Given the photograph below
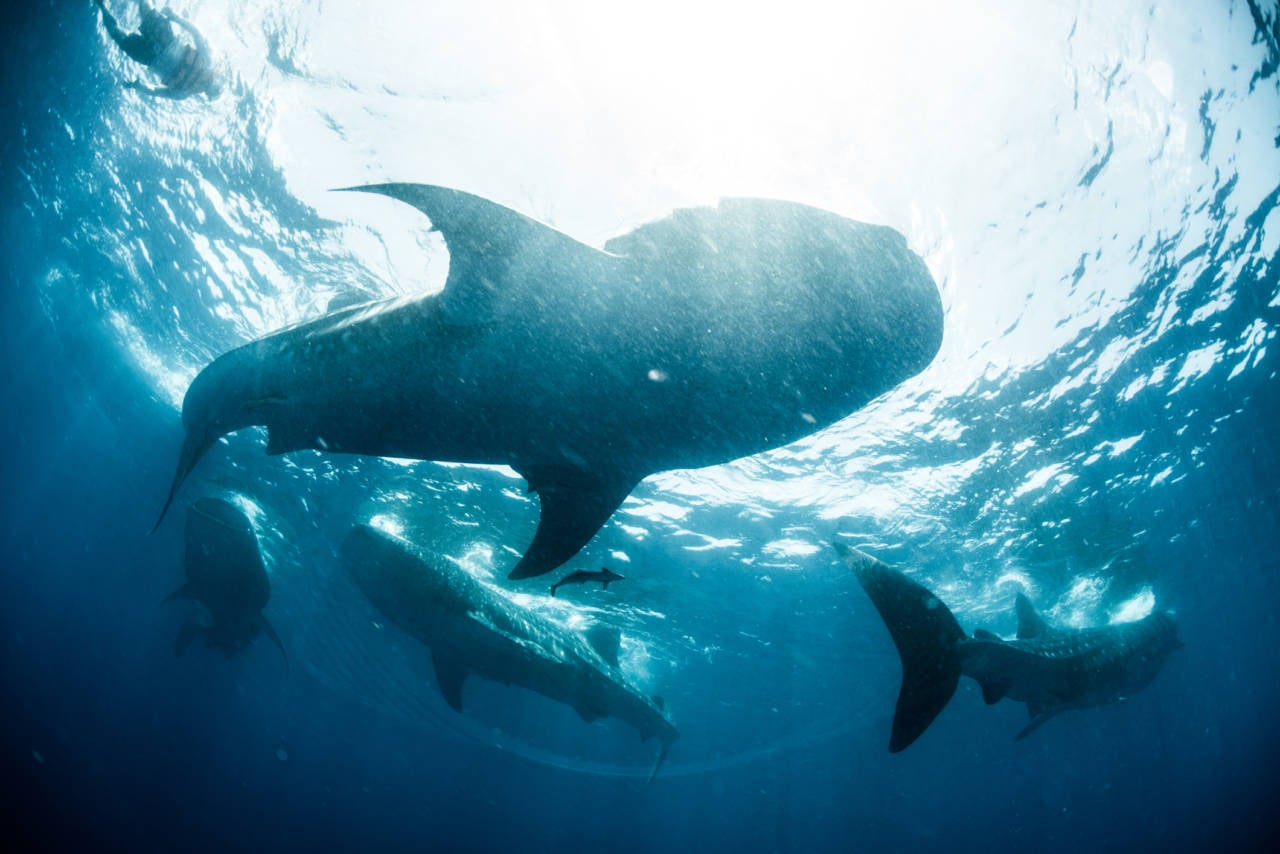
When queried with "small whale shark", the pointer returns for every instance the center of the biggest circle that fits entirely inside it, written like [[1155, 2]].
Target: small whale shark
[[1050, 669], [584, 576], [710, 335], [472, 628], [225, 574]]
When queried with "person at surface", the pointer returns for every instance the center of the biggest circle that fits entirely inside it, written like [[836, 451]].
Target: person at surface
[[184, 69]]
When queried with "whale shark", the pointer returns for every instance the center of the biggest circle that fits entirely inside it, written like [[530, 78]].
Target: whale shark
[[1051, 669], [585, 576], [225, 574], [472, 628], [713, 334]]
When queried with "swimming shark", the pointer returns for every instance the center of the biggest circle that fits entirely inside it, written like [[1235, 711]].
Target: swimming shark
[[472, 628], [1050, 669], [584, 576], [225, 574], [710, 335]]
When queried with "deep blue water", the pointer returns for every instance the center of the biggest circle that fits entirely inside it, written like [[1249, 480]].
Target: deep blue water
[[1095, 191]]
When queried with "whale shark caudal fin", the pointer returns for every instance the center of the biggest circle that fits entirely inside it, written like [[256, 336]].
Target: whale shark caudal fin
[[193, 448], [927, 637], [450, 674], [575, 504], [657, 763]]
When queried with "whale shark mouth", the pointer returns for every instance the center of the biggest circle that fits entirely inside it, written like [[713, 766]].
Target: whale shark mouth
[[193, 448]]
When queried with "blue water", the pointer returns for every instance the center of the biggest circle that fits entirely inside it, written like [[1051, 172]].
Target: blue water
[[1095, 189]]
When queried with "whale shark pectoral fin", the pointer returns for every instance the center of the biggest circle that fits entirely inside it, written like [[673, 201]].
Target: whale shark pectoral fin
[[575, 504], [993, 691], [1038, 717], [482, 237], [450, 674]]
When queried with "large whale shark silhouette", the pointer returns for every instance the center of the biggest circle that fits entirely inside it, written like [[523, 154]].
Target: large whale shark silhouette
[[470, 628], [707, 336]]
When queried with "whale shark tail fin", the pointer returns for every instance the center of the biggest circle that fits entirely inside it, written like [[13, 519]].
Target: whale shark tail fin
[[927, 637], [193, 448], [657, 763]]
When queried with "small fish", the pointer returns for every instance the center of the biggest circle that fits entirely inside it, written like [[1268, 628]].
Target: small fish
[[583, 576]]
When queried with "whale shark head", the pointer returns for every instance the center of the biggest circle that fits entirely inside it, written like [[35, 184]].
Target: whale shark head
[[226, 396]]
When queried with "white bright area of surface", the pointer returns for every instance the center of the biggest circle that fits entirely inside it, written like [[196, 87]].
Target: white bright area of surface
[[950, 122]]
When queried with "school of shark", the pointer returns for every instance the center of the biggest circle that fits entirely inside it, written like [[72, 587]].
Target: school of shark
[[711, 335]]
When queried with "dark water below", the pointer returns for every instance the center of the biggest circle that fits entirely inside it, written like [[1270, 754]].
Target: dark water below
[[1099, 431]]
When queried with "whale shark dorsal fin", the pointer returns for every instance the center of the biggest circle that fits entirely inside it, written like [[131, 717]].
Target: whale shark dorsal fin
[[1030, 623], [482, 237], [575, 504], [605, 640], [450, 674]]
